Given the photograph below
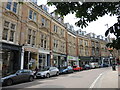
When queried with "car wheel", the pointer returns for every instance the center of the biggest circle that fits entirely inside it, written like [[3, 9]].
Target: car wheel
[[9, 82], [31, 78], [47, 75], [57, 73]]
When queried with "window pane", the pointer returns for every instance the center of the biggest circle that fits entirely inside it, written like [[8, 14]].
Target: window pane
[[15, 7], [12, 36], [44, 43], [30, 14], [29, 31], [9, 5], [35, 17], [34, 33], [29, 39], [5, 34], [54, 28], [43, 21], [33, 41], [41, 42], [6, 24], [13, 26]]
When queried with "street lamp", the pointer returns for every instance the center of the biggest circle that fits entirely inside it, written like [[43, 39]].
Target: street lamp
[[112, 58]]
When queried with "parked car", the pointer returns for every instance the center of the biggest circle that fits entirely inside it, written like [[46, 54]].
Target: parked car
[[47, 72], [97, 65], [86, 67], [19, 76], [92, 65], [66, 69], [104, 65], [77, 68]]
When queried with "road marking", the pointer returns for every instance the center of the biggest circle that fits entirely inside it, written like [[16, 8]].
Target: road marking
[[93, 84]]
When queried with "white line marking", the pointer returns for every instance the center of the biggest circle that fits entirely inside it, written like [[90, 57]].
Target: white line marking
[[93, 84]]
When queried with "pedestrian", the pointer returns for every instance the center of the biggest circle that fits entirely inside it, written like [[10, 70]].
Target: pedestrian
[[113, 66], [36, 70]]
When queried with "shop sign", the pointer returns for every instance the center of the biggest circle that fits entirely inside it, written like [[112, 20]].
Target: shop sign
[[79, 59], [69, 57], [72, 58]]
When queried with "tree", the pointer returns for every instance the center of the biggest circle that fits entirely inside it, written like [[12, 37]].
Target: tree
[[90, 11], [115, 29]]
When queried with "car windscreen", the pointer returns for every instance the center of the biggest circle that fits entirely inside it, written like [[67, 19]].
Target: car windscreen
[[74, 66], [45, 69], [62, 68]]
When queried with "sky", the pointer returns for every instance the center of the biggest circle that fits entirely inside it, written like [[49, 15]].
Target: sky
[[98, 27]]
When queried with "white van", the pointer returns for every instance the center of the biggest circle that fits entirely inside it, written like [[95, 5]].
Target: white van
[[92, 65]]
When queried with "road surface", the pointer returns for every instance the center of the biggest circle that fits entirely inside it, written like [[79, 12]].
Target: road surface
[[94, 78]]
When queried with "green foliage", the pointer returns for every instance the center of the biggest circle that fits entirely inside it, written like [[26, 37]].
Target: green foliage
[[115, 29], [87, 11]]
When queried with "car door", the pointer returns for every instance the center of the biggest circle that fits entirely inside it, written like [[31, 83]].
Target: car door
[[51, 71], [25, 75], [18, 76], [54, 70]]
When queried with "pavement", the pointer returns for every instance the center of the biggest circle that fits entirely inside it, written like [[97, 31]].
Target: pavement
[[109, 79]]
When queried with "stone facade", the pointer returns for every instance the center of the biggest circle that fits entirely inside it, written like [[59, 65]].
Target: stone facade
[[44, 40]]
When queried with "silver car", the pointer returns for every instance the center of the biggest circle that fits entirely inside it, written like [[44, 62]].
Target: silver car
[[47, 72]]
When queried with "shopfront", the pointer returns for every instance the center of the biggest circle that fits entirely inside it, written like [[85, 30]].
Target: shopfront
[[11, 56], [85, 60], [30, 58], [59, 60], [72, 60], [44, 58], [106, 60]]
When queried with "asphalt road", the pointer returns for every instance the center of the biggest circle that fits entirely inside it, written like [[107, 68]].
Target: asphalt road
[[82, 79]]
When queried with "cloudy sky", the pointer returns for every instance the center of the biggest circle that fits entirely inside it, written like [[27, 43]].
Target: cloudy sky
[[98, 27]]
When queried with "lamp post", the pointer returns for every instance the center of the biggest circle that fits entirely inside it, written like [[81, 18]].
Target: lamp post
[[112, 59]]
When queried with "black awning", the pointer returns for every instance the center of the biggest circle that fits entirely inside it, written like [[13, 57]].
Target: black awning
[[10, 46]]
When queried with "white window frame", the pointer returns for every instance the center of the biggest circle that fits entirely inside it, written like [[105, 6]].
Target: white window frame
[[12, 6]]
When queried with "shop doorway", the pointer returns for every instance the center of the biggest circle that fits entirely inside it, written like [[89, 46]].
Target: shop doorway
[[30, 60], [10, 61]]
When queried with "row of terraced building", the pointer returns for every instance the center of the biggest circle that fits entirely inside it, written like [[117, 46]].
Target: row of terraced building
[[30, 37]]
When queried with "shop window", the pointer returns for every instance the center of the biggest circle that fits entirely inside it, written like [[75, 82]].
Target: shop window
[[42, 60], [55, 61]]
